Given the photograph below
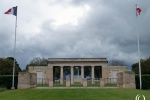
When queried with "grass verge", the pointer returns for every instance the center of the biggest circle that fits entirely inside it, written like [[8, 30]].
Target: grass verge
[[73, 94], [2, 89]]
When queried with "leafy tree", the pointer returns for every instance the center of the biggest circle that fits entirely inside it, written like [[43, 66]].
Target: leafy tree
[[6, 66], [37, 62], [145, 66], [17, 68]]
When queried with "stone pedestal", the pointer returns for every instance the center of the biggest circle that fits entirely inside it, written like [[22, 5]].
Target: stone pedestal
[[102, 82], [50, 82], [126, 79], [67, 82], [84, 82], [61, 81], [26, 80]]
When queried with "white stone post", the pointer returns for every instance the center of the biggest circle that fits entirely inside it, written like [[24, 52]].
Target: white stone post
[[93, 75], [82, 74], [72, 74], [61, 75]]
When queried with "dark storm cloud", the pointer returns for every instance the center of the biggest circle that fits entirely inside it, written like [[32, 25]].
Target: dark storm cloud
[[107, 30]]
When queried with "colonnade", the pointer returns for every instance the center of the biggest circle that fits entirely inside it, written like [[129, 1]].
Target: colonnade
[[72, 74]]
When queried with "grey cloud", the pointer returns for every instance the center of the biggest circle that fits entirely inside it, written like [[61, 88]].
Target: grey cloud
[[108, 30]]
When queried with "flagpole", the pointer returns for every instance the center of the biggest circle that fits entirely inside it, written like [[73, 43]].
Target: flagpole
[[13, 80], [138, 50]]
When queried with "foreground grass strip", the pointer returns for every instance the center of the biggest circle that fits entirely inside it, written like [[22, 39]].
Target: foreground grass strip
[[73, 94], [2, 89]]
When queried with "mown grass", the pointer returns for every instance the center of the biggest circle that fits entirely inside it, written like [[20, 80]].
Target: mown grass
[[2, 89], [73, 94]]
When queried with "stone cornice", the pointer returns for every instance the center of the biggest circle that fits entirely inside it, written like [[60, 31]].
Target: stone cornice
[[52, 60], [61, 62]]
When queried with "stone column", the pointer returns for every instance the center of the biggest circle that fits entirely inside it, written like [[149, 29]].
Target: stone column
[[93, 74], [82, 74], [61, 75], [72, 74]]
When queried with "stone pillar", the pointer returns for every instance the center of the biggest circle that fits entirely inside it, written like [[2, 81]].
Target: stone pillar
[[49, 73], [72, 74], [120, 80], [23, 80], [50, 82], [102, 82], [93, 75], [27, 80], [82, 74], [126, 79], [67, 82], [33, 80], [61, 75], [84, 82], [104, 71]]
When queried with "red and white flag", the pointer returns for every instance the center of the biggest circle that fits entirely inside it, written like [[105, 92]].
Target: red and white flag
[[138, 10]]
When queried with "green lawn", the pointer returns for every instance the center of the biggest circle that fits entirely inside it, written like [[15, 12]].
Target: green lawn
[[2, 89], [73, 94]]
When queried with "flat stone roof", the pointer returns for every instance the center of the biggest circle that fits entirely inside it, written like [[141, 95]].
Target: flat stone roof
[[77, 59]]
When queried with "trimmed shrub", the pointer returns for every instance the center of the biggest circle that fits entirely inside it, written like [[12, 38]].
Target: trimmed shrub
[[6, 81], [145, 82]]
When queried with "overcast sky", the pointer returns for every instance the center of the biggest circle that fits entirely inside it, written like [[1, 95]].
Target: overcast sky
[[75, 28]]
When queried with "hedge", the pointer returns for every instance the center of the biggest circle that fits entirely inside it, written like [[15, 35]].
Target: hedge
[[6, 81], [145, 82]]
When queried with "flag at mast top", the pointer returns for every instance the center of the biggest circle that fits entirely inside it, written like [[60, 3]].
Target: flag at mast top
[[12, 11], [138, 10]]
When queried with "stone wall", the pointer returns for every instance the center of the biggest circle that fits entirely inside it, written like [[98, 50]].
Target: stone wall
[[126, 79], [116, 68], [26, 80], [33, 80]]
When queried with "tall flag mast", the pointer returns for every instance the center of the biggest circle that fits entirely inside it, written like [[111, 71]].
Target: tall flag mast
[[138, 11], [13, 11]]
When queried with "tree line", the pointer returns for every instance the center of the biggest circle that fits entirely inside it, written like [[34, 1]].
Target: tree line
[[6, 65]]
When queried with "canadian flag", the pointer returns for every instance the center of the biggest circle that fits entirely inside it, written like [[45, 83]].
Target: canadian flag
[[138, 10]]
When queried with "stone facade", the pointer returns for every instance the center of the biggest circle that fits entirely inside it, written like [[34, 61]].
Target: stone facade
[[126, 79], [47, 72], [26, 80], [118, 69]]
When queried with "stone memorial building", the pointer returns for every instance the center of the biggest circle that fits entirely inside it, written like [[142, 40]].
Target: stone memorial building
[[48, 72]]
